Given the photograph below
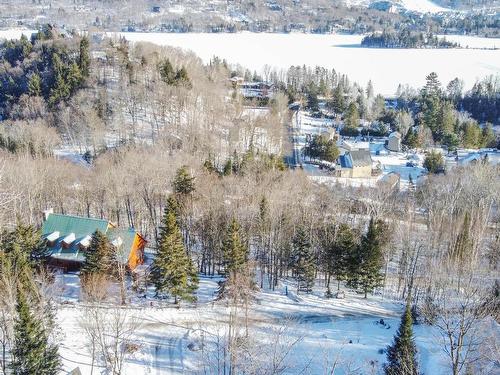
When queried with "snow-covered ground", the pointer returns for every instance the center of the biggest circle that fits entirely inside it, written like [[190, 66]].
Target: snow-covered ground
[[467, 41], [15, 33], [385, 67], [388, 162], [326, 329], [421, 6]]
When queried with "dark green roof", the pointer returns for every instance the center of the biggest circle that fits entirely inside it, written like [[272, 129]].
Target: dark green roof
[[82, 227], [66, 224]]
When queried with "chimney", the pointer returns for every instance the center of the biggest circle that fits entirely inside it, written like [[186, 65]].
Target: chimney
[[47, 213]]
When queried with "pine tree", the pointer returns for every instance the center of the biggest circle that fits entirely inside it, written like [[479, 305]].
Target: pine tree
[[303, 261], [338, 100], [233, 249], [29, 241], [32, 353], [84, 57], [183, 182], [182, 78], [352, 116], [432, 85], [74, 77], [366, 264], [167, 72], [446, 120], [402, 354], [173, 271], [60, 90], [172, 206], [434, 162], [99, 256], [35, 85], [341, 251]]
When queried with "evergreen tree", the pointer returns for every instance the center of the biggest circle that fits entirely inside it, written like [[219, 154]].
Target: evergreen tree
[[84, 57], [432, 85], [183, 182], [182, 79], [32, 353], [488, 138], [338, 100], [434, 162], [430, 103], [35, 85], [173, 271], [342, 250], [74, 78], [99, 256], [26, 46], [312, 101], [173, 206], [411, 139], [472, 135], [402, 354], [60, 90], [352, 116], [446, 121], [366, 264], [303, 261], [234, 250], [28, 240], [167, 72]]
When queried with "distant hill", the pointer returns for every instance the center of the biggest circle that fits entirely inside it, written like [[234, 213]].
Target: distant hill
[[425, 6], [468, 4]]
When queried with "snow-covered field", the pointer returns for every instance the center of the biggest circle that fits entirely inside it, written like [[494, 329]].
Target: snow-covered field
[[385, 67], [347, 330], [422, 6], [15, 33]]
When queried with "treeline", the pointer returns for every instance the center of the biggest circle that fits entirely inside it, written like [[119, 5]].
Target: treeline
[[27, 311], [483, 100], [38, 73], [406, 39], [441, 115]]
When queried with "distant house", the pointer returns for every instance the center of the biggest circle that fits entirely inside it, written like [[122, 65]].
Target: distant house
[[237, 81], [356, 164], [394, 142], [68, 238], [384, 6], [155, 9], [253, 90], [348, 146]]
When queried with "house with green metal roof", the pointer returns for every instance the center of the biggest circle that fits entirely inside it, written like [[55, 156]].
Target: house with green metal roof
[[68, 237]]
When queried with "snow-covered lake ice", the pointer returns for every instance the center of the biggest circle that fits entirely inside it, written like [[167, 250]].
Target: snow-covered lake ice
[[385, 67]]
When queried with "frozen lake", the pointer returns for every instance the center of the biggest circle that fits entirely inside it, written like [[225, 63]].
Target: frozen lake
[[385, 67]]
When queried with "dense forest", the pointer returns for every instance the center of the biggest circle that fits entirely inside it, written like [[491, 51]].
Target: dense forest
[[405, 39]]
